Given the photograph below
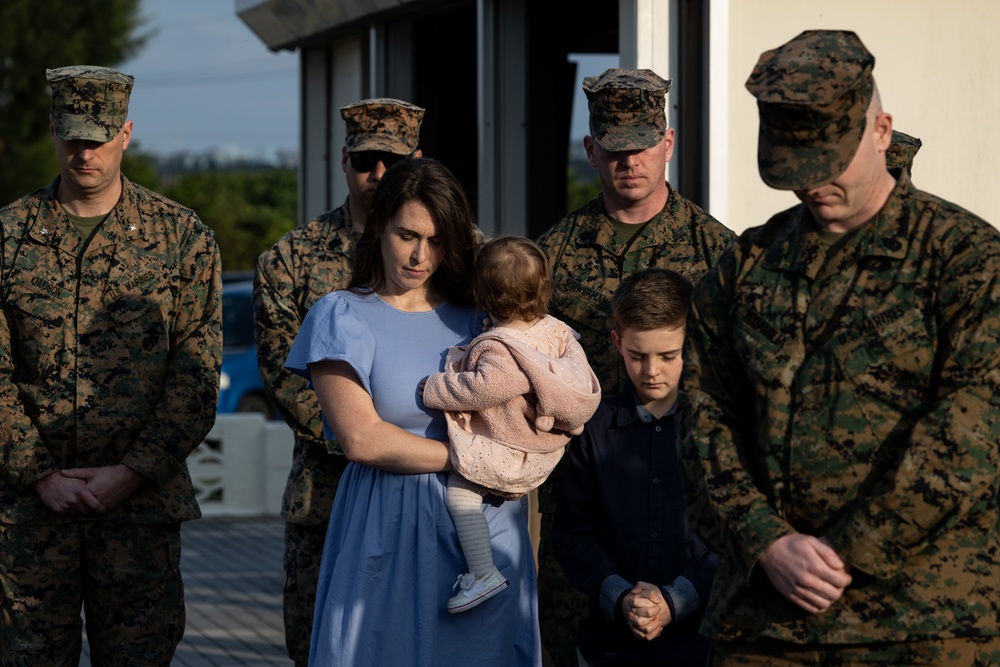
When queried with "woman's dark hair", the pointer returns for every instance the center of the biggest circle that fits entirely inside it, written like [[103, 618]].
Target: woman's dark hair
[[430, 183]]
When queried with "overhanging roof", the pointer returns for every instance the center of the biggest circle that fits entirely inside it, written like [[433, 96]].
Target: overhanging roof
[[286, 24]]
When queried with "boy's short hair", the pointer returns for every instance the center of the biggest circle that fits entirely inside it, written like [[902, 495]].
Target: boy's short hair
[[511, 279], [651, 299]]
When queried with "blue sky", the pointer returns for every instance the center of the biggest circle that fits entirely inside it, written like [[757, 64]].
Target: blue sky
[[205, 82]]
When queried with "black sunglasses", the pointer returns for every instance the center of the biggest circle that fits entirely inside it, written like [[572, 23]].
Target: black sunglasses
[[365, 161]]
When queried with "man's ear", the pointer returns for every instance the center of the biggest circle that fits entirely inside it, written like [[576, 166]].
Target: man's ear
[[668, 143], [343, 158], [126, 134], [883, 131], [588, 147]]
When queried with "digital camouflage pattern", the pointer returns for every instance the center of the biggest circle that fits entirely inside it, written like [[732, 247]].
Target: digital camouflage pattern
[[109, 354], [303, 554], [588, 263], [561, 607], [131, 580], [305, 264], [969, 651], [812, 94], [88, 102], [854, 396], [382, 124], [902, 149], [587, 266], [108, 357], [627, 108]]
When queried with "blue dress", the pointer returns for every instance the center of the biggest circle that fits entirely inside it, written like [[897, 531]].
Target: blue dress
[[392, 555]]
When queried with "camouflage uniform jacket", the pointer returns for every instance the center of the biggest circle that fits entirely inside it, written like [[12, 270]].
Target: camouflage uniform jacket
[[587, 265], [305, 264], [856, 397], [110, 357]]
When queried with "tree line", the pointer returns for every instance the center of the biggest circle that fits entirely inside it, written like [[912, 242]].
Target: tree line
[[247, 208]]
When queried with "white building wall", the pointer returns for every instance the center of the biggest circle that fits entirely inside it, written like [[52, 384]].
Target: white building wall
[[935, 64], [331, 78], [346, 87], [647, 40]]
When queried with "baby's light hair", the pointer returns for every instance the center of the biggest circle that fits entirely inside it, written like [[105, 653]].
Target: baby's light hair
[[511, 279]]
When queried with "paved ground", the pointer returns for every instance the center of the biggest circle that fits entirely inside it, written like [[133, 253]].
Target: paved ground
[[233, 579], [232, 589]]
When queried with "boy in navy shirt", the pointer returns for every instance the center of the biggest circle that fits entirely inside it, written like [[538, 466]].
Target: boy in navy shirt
[[621, 529]]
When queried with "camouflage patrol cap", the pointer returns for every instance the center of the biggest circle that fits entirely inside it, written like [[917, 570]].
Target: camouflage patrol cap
[[89, 102], [812, 94], [382, 124], [902, 150], [627, 108]]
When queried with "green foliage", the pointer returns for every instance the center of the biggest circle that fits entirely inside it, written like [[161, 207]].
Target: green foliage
[[580, 189], [35, 36], [141, 168], [248, 210]]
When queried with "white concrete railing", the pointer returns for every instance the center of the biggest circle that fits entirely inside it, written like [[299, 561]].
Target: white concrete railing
[[241, 467]]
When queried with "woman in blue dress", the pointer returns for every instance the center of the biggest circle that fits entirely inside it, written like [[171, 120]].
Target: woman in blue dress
[[392, 555]]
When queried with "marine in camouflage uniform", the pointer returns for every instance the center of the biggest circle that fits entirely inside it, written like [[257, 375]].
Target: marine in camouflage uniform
[[843, 370], [110, 351], [589, 261], [304, 265], [592, 249], [902, 149]]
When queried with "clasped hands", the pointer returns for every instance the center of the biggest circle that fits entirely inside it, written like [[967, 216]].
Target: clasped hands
[[88, 490], [646, 611]]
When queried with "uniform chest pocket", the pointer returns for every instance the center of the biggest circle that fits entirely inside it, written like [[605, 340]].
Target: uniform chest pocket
[[763, 351], [127, 308], [40, 323], [35, 309], [139, 314], [889, 358], [580, 305]]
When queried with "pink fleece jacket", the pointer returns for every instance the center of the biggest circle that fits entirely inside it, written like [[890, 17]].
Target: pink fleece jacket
[[512, 400]]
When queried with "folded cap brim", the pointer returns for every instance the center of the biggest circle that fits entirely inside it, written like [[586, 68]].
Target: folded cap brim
[[387, 143], [637, 137], [813, 94], [785, 165], [74, 127]]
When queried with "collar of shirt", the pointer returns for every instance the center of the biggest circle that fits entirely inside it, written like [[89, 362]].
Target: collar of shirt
[[642, 414]]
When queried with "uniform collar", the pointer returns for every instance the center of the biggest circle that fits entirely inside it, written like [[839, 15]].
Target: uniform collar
[[799, 249], [595, 228], [52, 226], [121, 226]]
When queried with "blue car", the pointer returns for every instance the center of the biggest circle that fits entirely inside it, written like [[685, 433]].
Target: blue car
[[240, 387]]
